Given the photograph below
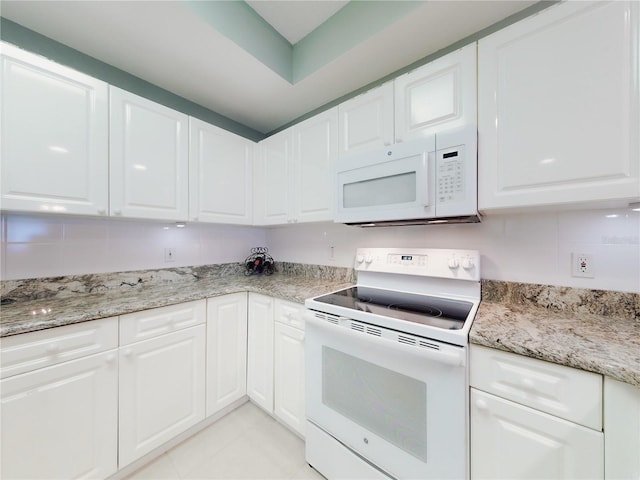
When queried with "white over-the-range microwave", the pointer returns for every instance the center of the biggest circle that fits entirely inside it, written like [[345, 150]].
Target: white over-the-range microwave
[[425, 181]]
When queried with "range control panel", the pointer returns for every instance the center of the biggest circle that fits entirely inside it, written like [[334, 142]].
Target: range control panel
[[428, 262]]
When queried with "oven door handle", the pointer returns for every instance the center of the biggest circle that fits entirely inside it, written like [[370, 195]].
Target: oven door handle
[[455, 356]]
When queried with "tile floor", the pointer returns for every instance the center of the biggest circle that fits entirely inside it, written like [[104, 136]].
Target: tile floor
[[245, 444]]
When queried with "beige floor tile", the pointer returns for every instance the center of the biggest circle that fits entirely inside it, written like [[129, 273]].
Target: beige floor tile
[[245, 444]]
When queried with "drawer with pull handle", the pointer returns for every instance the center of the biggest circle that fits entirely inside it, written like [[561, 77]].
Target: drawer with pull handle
[[146, 324], [30, 351], [565, 392], [289, 313]]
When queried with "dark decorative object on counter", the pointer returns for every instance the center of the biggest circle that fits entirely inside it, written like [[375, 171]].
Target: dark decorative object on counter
[[259, 262]]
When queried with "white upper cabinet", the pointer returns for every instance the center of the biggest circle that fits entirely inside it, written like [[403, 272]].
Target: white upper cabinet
[[292, 176], [220, 174], [316, 146], [558, 102], [438, 96], [273, 177], [366, 121], [148, 158], [54, 137]]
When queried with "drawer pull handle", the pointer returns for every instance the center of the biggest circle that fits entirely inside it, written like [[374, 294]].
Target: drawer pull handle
[[128, 352], [527, 384], [110, 358], [482, 405]]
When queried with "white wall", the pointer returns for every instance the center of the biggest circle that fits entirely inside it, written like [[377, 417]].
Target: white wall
[[529, 248], [39, 246]]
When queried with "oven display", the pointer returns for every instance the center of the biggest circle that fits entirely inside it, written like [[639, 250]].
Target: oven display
[[407, 258]]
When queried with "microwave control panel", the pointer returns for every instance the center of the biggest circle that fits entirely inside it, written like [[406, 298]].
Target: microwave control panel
[[450, 173]]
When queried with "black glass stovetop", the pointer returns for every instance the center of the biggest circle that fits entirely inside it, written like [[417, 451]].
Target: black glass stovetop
[[424, 309]]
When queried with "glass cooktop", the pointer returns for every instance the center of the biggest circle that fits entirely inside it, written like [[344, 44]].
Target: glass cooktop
[[424, 309]]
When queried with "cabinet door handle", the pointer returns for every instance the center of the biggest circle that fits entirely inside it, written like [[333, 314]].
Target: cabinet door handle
[[128, 352], [110, 358], [482, 405]]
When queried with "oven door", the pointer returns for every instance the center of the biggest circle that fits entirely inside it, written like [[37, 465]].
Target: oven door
[[401, 407], [396, 183]]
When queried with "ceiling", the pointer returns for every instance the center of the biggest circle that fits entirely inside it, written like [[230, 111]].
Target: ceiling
[[261, 63]]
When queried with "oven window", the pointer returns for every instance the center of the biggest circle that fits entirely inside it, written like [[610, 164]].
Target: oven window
[[389, 190], [385, 402]]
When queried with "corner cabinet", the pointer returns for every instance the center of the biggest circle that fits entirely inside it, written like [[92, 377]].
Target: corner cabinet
[[559, 108], [220, 175], [148, 158], [293, 172], [260, 350], [54, 137], [59, 402], [533, 419], [226, 350]]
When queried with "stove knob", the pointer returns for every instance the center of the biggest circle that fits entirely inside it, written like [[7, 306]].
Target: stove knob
[[467, 264], [359, 259], [453, 263], [368, 259]]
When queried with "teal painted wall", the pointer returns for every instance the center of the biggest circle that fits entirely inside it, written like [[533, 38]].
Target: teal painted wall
[[27, 39]]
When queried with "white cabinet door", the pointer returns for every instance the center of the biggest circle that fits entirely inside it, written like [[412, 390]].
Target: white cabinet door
[[226, 350], [293, 175], [54, 137], [260, 351], [220, 175], [289, 376], [438, 96], [621, 430], [162, 390], [316, 143], [511, 441], [148, 152], [558, 103], [366, 121], [61, 421], [273, 180]]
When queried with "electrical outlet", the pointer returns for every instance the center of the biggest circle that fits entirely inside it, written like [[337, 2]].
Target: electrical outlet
[[169, 254], [582, 265]]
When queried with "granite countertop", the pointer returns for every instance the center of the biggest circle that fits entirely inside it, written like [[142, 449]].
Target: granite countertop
[[597, 331], [52, 311], [591, 330]]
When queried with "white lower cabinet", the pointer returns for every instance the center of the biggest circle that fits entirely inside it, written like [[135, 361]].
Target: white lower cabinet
[[622, 430], [162, 379], [531, 419], [289, 365], [260, 350], [226, 350], [60, 421]]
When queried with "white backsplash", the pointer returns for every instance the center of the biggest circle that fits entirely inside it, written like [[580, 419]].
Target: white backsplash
[[38, 246], [529, 248]]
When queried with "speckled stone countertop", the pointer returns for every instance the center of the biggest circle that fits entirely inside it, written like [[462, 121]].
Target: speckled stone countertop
[[593, 330], [45, 303]]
